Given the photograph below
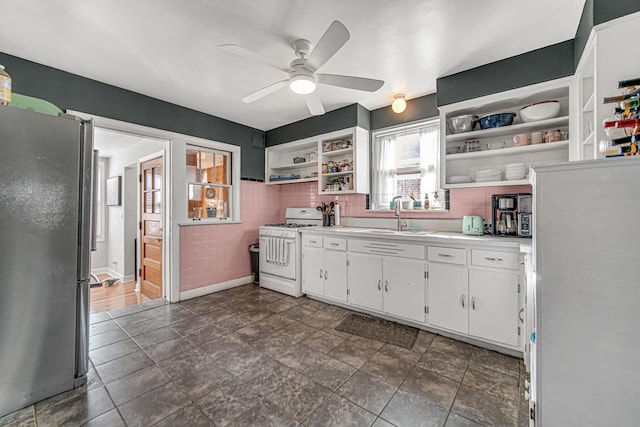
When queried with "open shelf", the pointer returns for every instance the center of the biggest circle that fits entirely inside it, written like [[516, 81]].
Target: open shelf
[[291, 181], [296, 166], [490, 183], [337, 173], [509, 130], [336, 153], [550, 146]]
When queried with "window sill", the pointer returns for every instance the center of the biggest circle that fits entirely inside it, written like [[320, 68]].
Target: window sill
[[404, 211], [207, 221]]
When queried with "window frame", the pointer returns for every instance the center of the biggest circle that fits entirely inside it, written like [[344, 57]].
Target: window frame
[[404, 170]]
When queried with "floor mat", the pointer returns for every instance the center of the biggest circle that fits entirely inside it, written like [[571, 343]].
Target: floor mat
[[379, 330]]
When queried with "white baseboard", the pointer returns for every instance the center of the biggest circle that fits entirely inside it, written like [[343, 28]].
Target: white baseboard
[[101, 270], [114, 274], [129, 278], [216, 287]]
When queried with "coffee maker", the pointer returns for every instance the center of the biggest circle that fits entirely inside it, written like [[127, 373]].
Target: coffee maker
[[511, 215]]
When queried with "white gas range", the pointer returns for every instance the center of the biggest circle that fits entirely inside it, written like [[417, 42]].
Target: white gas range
[[281, 251]]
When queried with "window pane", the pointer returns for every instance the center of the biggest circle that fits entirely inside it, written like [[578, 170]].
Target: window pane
[[206, 167], [148, 179], [206, 170], [157, 177], [148, 202], [222, 171], [157, 201]]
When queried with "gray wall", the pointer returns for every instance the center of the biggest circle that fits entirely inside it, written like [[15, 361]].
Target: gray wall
[[420, 108], [548, 63], [341, 118], [70, 91]]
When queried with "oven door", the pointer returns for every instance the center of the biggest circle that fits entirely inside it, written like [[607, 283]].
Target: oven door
[[278, 257]]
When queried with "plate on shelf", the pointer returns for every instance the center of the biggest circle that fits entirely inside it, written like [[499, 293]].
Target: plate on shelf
[[459, 179]]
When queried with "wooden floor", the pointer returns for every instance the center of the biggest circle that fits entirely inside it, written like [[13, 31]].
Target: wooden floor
[[115, 296]]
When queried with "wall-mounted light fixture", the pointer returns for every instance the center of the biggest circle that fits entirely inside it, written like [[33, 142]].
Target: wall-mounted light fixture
[[399, 104]]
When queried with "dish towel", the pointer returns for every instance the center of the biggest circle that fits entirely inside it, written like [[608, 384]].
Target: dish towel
[[277, 251]]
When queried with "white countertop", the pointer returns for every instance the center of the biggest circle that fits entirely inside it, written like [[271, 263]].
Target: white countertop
[[423, 236]]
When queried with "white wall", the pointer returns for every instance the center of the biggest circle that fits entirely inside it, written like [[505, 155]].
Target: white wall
[[116, 214], [130, 185], [99, 257]]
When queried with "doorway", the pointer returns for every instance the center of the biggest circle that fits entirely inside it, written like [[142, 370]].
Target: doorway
[[151, 230], [117, 261]]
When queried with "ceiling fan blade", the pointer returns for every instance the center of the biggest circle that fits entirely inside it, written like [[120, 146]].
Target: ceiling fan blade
[[243, 52], [265, 91], [332, 40], [351, 82], [314, 104]]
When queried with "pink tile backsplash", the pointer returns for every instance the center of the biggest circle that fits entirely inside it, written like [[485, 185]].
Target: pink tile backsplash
[[211, 254]]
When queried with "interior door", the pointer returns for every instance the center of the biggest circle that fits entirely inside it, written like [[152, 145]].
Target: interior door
[[151, 228]]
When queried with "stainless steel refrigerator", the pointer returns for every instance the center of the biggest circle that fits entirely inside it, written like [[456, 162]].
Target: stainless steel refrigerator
[[46, 183], [587, 293]]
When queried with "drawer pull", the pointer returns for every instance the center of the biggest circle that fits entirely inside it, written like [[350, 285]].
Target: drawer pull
[[335, 244], [321, 273], [313, 241], [473, 303], [386, 286], [379, 285], [490, 258], [325, 275], [520, 313], [445, 255], [462, 301]]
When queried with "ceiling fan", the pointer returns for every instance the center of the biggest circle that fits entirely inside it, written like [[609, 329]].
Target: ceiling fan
[[303, 75]]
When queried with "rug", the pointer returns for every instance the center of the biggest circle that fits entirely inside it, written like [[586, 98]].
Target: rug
[[379, 330]]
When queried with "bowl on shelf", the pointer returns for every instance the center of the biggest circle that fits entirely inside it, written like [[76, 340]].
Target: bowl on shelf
[[459, 179], [515, 171], [542, 110], [496, 120], [488, 175], [464, 123]]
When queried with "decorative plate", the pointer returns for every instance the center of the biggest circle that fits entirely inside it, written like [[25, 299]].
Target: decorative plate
[[210, 193]]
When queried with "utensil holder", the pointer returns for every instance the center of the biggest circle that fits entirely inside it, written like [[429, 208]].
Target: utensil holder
[[326, 220]]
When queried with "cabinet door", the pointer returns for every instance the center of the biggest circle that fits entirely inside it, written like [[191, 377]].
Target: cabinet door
[[312, 271], [335, 275], [403, 284], [448, 298], [493, 310], [365, 281]]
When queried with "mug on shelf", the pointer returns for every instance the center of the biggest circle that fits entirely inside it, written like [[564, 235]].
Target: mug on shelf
[[553, 136], [521, 140], [536, 138]]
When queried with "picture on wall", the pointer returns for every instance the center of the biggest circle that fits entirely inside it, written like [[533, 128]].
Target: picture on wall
[[114, 195]]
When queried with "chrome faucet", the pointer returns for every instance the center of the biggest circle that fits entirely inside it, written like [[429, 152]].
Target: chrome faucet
[[402, 223]]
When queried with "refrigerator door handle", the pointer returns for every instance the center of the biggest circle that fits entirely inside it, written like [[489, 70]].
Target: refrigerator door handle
[[94, 204]]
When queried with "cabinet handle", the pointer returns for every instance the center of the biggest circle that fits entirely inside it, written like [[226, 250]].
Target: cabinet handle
[[520, 313], [386, 286], [313, 241], [379, 285], [321, 273], [325, 275], [462, 300], [445, 255], [473, 303], [488, 258], [334, 244]]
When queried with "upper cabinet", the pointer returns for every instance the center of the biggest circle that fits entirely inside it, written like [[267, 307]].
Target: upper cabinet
[[603, 63], [479, 157], [339, 161]]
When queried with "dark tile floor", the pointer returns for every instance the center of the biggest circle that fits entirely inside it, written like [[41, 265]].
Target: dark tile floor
[[252, 357]]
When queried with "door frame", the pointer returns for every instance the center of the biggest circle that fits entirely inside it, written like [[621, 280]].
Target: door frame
[[171, 242], [166, 184]]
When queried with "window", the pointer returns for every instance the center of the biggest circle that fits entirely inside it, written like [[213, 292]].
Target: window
[[405, 163], [209, 183]]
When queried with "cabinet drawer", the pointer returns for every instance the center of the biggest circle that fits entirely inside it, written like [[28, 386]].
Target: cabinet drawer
[[494, 259], [389, 249], [448, 255], [312, 241], [336, 244]]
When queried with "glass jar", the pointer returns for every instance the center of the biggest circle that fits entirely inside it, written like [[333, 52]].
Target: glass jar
[[5, 87]]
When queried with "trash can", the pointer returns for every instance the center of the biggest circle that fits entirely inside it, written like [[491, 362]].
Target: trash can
[[254, 250]]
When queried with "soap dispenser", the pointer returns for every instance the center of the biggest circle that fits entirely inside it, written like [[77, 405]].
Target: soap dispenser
[[425, 205]]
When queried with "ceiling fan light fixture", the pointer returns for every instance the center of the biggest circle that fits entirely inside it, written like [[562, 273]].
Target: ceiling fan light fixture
[[302, 84], [399, 104]]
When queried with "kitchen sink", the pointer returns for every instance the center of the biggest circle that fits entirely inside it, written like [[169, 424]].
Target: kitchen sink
[[387, 231]]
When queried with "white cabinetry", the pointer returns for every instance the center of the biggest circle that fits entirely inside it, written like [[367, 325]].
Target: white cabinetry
[[324, 267], [344, 162], [346, 151], [600, 68], [468, 163], [391, 283], [475, 300], [283, 165]]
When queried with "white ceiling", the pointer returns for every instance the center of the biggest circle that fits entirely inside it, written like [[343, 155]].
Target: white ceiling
[[110, 143], [168, 49]]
